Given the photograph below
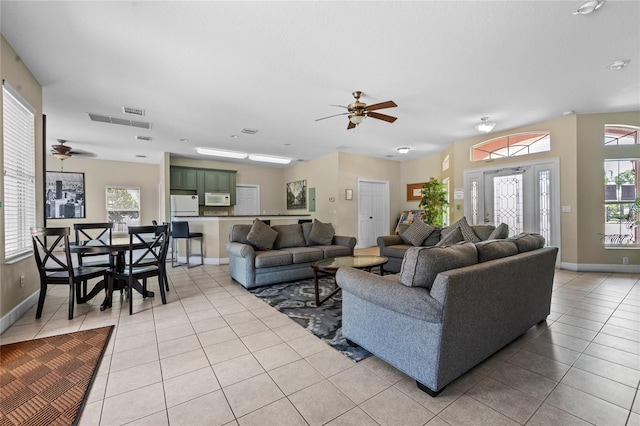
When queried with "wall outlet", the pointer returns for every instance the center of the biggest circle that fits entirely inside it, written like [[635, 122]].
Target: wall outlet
[[625, 260], [21, 281]]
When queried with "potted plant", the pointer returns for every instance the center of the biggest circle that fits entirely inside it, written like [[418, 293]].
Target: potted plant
[[433, 202]]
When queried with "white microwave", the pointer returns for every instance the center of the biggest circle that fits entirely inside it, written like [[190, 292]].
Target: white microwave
[[217, 199]]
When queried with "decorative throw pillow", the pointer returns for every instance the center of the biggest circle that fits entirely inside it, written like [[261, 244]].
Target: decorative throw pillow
[[261, 235], [288, 236], [501, 232], [451, 238], [528, 241], [416, 233], [467, 232], [321, 233], [421, 265]]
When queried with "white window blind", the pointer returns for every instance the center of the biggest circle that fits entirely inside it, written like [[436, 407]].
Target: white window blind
[[19, 173]]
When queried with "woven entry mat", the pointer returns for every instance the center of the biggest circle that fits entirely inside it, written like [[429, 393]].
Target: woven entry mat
[[46, 381]]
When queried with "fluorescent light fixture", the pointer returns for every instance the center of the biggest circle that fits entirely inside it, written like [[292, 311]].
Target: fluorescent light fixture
[[403, 150], [269, 159], [222, 153], [485, 126]]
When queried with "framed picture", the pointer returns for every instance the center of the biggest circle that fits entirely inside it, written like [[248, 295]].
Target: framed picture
[[414, 191], [348, 194], [297, 194], [64, 195]]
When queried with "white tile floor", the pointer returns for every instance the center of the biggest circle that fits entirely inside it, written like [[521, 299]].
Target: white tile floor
[[217, 355]]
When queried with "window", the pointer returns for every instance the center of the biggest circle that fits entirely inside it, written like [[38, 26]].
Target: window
[[621, 203], [123, 207], [511, 146], [445, 214], [620, 135], [19, 173]]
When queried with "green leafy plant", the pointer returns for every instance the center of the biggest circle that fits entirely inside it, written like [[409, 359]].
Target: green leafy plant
[[433, 202]]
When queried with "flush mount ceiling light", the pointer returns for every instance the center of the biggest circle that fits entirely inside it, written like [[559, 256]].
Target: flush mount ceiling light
[[588, 6], [269, 159], [618, 65], [222, 153], [485, 126], [403, 150]]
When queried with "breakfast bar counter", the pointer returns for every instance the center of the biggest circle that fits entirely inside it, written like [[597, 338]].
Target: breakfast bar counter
[[216, 232]]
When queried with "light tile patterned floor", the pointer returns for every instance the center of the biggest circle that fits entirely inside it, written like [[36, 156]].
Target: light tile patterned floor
[[216, 355]]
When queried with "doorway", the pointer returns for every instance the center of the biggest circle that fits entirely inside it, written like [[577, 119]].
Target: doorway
[[526, 197], [373, 211], [247, 200]]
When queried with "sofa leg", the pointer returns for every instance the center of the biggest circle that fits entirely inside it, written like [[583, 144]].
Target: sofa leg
[[423, 388], [352, 343]]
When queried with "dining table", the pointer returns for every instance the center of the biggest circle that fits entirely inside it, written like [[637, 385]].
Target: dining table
[[116, 250]]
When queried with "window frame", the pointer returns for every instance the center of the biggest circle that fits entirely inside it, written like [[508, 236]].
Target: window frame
[[512, 149], [120, 227], [620, 203]]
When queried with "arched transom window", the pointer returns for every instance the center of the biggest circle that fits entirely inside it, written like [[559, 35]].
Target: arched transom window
[[511, 146], [615, 134]]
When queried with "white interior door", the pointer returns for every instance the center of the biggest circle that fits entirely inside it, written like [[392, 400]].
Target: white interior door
[[373, 211], [247, 200]]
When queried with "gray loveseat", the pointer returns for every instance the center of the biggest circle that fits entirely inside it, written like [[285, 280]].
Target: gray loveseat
[[290, 256], [393, 247], [436, 332]]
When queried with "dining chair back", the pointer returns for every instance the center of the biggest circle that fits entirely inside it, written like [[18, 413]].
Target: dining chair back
[[148, 246], [180, 230], [99, 234], [53, 258]]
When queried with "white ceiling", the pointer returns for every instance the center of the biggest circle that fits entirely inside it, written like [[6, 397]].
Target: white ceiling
[[205, 70]]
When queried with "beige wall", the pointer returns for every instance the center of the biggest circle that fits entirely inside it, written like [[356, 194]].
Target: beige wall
[[419, 170], [14, 72]]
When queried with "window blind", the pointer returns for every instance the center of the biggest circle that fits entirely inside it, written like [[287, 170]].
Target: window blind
[[19, 173]]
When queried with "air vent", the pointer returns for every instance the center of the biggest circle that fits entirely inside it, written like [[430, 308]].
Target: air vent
[[249, 131], [121, 121], [133, 111], [143, 138]]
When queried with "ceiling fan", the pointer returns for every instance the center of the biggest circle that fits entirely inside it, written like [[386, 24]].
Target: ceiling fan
[[63, 152], [358, 111]]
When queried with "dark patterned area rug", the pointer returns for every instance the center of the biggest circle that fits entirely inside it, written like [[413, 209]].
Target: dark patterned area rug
[[296, 299], [46, 381]]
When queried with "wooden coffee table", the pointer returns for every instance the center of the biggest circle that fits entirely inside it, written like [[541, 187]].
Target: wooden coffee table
[[330, 266]]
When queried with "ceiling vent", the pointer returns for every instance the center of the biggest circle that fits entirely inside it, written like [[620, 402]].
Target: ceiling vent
[[143, 138], [121, 121], [133, 111], [249, 131]]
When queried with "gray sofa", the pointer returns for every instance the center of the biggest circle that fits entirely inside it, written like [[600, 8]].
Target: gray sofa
[[435, 333], [289, 258], [393, 247]]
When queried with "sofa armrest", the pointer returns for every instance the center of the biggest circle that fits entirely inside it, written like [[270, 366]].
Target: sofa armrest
[[241, 250], [387, 292], [389, 240], [346, 241]]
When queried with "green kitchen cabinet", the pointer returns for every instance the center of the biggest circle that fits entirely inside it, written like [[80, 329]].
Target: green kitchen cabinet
[[183, 178]]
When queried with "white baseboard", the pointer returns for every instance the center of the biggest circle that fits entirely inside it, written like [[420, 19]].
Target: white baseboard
[[17, 312], [595, 267], [195, 260]]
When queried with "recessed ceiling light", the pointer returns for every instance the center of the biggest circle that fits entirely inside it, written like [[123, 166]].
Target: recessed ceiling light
[[619, 64], [222, 153], [588, 6], [141, 156], [184, 140], [235, 136]]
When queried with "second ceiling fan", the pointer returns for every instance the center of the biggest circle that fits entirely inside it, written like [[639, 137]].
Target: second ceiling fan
[[358, 111]]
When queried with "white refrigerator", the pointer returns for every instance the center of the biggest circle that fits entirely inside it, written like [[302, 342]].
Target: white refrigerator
[[184, 205]]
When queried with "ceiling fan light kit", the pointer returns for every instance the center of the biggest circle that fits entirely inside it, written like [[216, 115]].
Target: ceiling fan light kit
[[485, 126]]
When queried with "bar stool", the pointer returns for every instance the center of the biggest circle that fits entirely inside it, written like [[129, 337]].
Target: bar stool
[[180, 230]]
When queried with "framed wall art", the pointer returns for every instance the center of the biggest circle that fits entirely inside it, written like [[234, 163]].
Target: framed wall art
[[297, 194], [64, 195], [414, 191]]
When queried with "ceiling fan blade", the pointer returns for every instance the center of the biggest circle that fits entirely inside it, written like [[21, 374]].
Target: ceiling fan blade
[[382, 117], [381, 105], [334, 115], [351, 126], [339, 106]]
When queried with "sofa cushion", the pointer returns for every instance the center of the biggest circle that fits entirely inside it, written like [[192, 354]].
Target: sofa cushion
[[416, 233], [528, 241], [288, 236], [397, 250], [495, 249], [266, 259], [261, 235], [501, 232], [321, 233], [421, 265], [451, 238], [238, 233], [483, 231], [305, 254], [464, 227], [433, 238]]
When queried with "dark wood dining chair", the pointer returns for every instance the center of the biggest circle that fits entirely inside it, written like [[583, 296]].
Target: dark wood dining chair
[[53, 257], [180, 230], [93, 234], [148, 246]]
